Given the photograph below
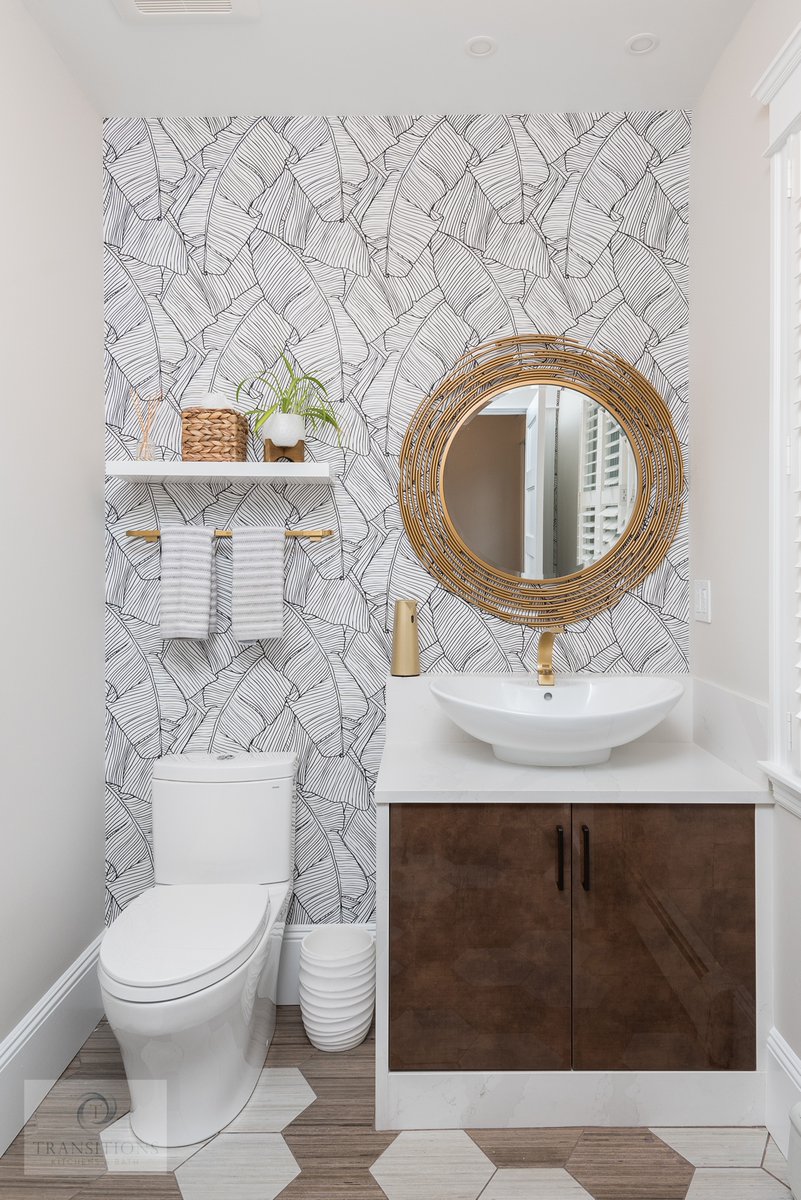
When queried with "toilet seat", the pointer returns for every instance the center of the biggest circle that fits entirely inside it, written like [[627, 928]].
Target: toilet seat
[[174, 940]]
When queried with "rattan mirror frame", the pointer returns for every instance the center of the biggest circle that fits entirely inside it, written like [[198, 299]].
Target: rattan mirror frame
[[478, 376]]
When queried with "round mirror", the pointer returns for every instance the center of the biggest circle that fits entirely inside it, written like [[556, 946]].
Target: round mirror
[[540, 482], [606, 502]]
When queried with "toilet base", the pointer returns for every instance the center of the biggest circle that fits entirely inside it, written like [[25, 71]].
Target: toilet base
[[200, 1081], [192, 1062]]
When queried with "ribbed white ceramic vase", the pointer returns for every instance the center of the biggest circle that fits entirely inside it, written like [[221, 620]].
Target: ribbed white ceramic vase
[[337, 985]]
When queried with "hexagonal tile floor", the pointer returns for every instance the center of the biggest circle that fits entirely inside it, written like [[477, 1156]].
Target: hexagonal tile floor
[[307, 1134], [444, 1163]]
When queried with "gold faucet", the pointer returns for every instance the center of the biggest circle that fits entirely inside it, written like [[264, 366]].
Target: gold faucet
[[545, 675]]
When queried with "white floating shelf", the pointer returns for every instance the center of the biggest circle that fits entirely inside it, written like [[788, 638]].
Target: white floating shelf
[[204, 472]]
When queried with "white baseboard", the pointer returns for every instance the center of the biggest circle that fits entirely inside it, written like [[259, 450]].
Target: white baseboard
[[783, 1088], [46, 1039], [290, 960]]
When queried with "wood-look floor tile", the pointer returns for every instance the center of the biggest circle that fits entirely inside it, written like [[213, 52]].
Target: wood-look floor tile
[[280, 1095], [743, 1183], [719, 1147], [344, 1099], [775, 1162], [132, 1187], [23, 1165], [335, 1163], [289, 1047], [534, 1183], [358, 1062], [124, 1152], [628, 1164], [433, 1164], [31, 1189], [239, 1166], [99, 1055], [517, 1148]]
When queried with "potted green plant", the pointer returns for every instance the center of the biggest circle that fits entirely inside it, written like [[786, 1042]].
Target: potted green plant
[[296, 399]]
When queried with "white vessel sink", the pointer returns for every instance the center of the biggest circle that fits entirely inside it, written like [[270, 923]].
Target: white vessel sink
[[575, 722]]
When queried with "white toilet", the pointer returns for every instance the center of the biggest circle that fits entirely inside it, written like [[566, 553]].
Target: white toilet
[[189, 969]]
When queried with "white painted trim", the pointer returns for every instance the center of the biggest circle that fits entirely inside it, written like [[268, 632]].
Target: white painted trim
[[785, 785], [46, 1039], [764, 830], [783, 1088], [778, 524], [780, 90], [784, 64], [290, 960], [382, 967]]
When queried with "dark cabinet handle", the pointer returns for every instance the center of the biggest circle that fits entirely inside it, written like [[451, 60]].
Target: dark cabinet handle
[[560, 857], [585, 857]]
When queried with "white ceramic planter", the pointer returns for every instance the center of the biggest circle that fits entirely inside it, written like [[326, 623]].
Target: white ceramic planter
[[337, 986], [284, 429]]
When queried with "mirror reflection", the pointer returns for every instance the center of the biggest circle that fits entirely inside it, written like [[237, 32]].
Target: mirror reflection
[[541, 482]]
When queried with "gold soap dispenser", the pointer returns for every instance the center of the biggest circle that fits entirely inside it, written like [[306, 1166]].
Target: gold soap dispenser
[[405, 642]]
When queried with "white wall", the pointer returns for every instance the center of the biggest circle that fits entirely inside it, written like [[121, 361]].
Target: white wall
[[729, 355], [730, 380], [51, 602]]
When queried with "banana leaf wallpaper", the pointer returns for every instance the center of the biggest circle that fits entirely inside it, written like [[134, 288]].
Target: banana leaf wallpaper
[[372, 251]]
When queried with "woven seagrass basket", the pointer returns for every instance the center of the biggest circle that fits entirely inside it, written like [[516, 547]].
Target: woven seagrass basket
[[213, 435]]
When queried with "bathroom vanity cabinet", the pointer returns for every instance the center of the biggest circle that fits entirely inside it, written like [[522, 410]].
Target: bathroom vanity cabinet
[[567, 946], [591, 937]]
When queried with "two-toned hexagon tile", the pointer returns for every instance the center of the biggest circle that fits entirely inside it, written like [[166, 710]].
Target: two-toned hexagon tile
[[248, 1160], [589, 1164], [276, 1148]]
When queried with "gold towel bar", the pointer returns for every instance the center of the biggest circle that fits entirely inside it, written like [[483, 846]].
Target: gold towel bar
[[314, 535]]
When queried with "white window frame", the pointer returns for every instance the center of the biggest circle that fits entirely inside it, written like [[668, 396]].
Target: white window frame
[[780, 90]]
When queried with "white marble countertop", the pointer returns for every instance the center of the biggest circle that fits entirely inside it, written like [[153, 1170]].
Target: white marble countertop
[[428, 760]]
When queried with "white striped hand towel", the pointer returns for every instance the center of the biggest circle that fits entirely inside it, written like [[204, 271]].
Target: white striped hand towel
[[188, 586], [257, 587]]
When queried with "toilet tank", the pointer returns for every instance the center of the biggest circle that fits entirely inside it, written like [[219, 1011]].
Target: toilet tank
[[223, 818]]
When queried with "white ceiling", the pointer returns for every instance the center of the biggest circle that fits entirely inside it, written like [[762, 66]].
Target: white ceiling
[[391, 56]]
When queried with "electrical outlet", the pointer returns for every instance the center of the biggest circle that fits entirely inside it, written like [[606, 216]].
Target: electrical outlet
[[702, 600]]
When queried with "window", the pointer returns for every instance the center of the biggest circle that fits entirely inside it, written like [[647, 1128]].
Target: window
[[780, 88]]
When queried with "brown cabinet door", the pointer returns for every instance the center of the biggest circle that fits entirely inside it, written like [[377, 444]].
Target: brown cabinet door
[[663, 937], [479, 938]]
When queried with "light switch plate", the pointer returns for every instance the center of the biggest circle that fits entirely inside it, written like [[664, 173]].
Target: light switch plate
[[702, 600]]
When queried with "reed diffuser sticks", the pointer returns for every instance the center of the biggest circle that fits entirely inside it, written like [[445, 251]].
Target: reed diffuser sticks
[[145, 415]]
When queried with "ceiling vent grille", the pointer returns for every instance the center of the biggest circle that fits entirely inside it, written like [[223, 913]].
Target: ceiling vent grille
[[187, 10], [150, 8]]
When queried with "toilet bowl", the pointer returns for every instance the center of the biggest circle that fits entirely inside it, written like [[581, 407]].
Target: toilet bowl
[[188, 972]]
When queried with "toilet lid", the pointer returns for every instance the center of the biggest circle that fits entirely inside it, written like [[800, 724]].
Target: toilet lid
[[178, 933]]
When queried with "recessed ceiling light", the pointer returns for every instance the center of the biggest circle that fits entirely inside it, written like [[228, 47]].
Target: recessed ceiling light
[[481, 47], [642, 43]]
